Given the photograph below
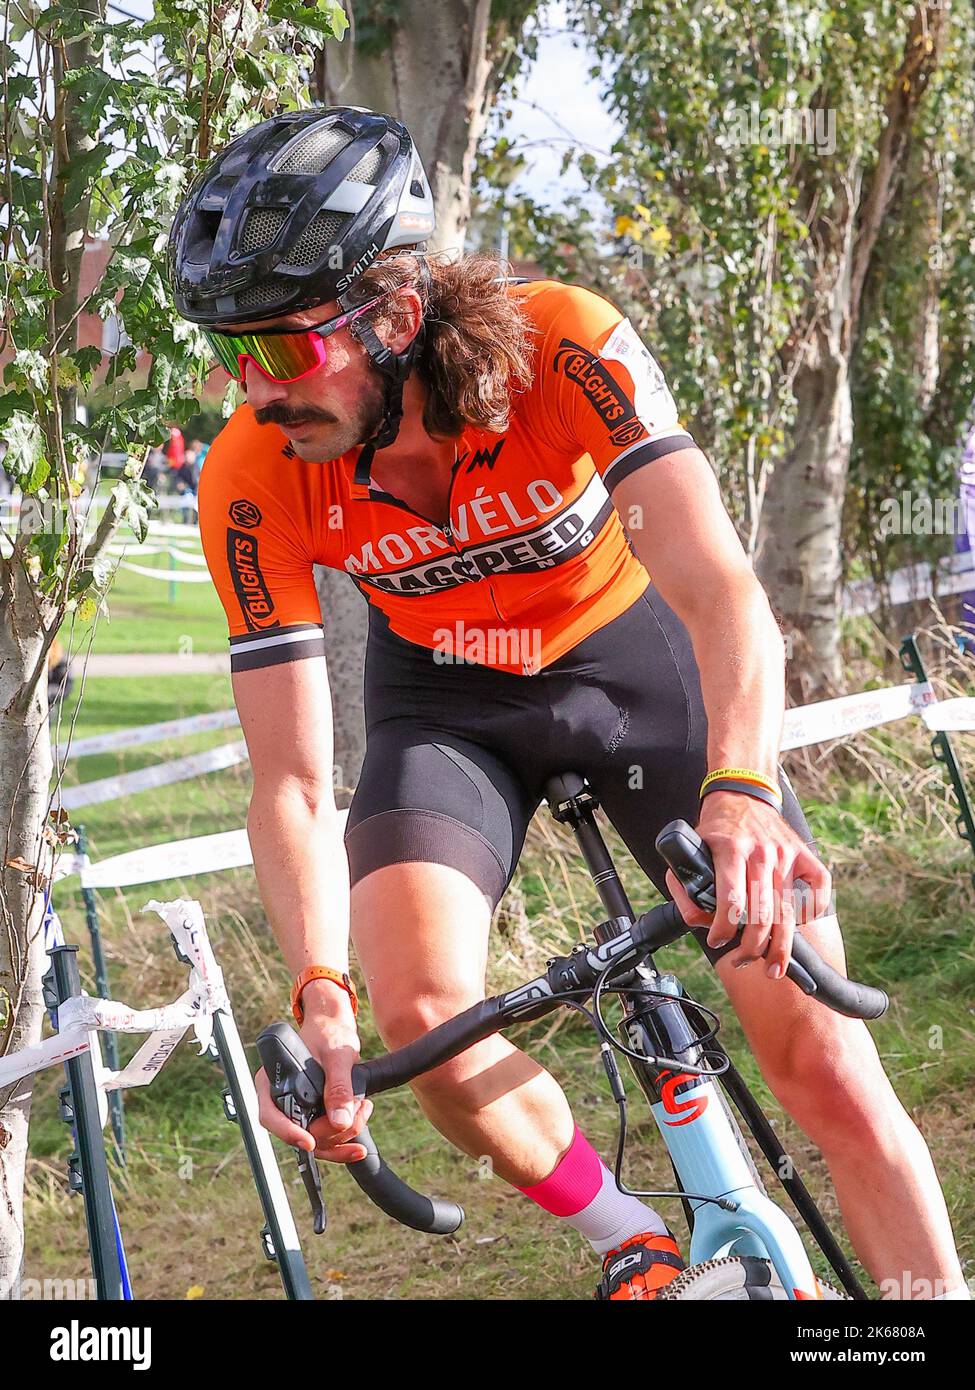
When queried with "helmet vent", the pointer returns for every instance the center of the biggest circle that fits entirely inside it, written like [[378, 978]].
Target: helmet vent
[[269, 291], [367, 170], [314, 152], [317, 240], [261, 228]]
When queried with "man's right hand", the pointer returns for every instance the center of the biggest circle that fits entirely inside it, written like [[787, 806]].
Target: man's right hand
[[329, 1032]]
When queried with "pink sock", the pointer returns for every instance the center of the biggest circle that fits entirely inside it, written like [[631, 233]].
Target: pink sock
[[583, 1192]]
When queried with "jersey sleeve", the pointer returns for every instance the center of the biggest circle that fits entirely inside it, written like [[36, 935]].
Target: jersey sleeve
[[598, 387], [260, 561]]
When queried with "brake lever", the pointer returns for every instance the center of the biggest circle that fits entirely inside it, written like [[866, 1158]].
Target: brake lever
[[297, 1085], [690, 860]]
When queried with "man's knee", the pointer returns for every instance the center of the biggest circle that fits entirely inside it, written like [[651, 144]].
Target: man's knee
[[408, 1015], [834, 1088]]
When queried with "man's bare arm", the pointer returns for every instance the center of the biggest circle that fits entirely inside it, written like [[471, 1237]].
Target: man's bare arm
[[674, 515], [303, 875], [293, 826], [680, 530]]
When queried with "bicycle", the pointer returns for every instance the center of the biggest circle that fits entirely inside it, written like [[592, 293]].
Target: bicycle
[[742, 1245]]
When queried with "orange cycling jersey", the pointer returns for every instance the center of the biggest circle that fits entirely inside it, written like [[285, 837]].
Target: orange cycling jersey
[[534, 557]]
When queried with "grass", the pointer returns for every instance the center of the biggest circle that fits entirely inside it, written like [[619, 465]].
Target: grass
[[142, 617], [187, 1206]]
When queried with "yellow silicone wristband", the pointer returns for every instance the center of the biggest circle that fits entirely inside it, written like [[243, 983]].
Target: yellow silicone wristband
[[741, 774]]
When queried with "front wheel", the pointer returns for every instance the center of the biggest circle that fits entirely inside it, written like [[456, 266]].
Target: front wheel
[[738, 1278]]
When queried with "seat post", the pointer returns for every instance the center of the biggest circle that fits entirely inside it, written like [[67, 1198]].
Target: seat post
[[572, 802]]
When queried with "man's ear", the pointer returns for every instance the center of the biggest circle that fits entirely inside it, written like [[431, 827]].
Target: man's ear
[[405, 319]]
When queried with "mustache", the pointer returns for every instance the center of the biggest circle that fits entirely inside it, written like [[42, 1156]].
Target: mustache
[[279, 414]]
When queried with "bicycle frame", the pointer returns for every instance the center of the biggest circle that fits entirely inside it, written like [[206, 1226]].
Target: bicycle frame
[[733, 1216]]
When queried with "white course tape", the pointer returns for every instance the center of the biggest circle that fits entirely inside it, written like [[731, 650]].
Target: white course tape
[[159, 775], [180, 576], [186, 556], [126, 552], [174, 528], [148, 1061], [953, 575], [175, 501], [204, 854], [958, 713], [148, 733], [851, 714], [230, 849], [80, 1017]]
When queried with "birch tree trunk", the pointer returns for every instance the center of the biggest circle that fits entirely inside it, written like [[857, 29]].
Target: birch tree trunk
[[345, 618], [436, 77], [25, 773], [29, 621], [798, 555]]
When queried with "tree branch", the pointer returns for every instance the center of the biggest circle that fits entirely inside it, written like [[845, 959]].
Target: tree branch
[[922, 52]]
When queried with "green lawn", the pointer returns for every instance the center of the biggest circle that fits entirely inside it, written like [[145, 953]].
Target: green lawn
[[144, 616], [198, 807], [187, 1206]]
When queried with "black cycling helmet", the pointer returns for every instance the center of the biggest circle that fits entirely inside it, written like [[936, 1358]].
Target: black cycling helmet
[[290, 215], [293, 211]]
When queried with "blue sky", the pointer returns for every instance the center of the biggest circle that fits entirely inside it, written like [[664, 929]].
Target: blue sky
[[558, 106]]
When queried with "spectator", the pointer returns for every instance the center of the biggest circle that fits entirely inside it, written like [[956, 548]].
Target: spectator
[[155, 467], [195, 455], [184, 482], [175, 449]]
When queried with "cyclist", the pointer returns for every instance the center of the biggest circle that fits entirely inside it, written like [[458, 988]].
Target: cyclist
[[499, 467]]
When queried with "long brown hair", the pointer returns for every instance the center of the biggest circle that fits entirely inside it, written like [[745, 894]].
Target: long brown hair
[[476, 352]]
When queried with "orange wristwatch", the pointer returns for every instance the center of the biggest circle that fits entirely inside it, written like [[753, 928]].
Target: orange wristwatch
[[321, 972]]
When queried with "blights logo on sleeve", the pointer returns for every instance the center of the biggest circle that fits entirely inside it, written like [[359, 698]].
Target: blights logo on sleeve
[[601, 389], [255, 599]]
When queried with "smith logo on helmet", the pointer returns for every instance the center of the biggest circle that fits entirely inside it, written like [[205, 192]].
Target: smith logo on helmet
[[360, 267], [602, 390], [256, 603]]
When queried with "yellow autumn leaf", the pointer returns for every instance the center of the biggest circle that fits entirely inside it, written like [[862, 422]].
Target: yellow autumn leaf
[[335, 1274], [195, 1291], [645, 213], [625, 226], [660, 236]]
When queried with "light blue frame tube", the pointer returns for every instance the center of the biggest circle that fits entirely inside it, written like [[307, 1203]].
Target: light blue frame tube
[[703, 1145]]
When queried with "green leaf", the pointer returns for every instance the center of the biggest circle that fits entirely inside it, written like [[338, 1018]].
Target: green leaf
[[134, 500], [29, 369], [25, 456], [325, 17]]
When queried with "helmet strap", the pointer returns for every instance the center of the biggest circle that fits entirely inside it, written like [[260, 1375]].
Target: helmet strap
[[395, 368]]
